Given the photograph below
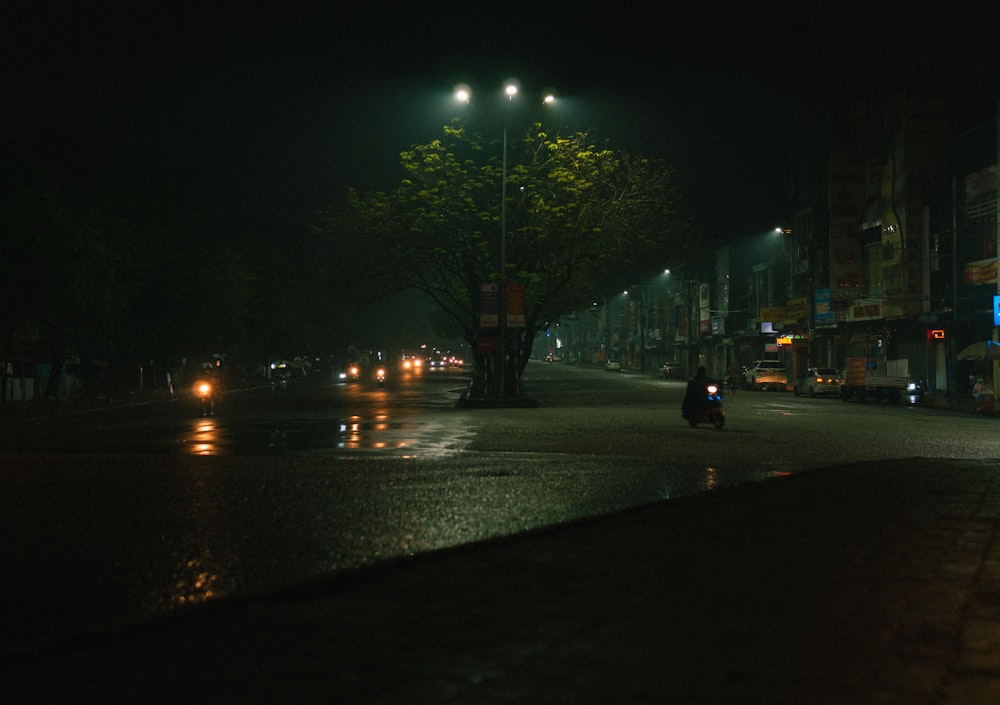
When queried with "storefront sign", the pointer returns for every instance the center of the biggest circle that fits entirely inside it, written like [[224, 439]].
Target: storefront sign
[[864, 310], [983, 271]]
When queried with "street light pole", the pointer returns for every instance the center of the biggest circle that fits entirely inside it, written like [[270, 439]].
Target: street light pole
[[462, 94], [690, 326], [510, 90], [502, 369]]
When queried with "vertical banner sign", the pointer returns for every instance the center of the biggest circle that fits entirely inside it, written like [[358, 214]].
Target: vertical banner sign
[[704, 311], [489, 306], [515, 305], [823, 313], [996, 310]]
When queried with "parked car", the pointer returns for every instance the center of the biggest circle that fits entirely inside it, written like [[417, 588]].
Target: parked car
[[613, 365], [767, 374], [818, 380]]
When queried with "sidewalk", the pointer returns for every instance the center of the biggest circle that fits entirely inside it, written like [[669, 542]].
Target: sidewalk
[[870, 583], [964, 403]]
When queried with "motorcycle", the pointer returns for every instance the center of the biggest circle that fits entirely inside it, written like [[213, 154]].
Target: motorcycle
[[703, 404], [351, 374], [380, 376], [207, 393]]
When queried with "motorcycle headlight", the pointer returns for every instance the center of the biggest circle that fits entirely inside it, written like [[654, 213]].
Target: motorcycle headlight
[[712, 389]]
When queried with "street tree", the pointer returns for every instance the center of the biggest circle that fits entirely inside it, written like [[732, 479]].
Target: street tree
[[580, 220], [65, 286]]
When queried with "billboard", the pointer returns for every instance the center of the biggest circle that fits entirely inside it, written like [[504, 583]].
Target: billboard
[[823, 310], [489, 306]]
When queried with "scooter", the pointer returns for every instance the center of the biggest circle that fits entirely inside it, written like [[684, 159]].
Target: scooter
[[704, 406], [207, 393], [351, 374]]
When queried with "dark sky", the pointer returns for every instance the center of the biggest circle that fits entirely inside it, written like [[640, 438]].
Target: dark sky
[[256, 116]]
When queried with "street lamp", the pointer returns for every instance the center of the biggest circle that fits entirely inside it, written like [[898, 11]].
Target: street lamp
[[464, 95], [510, 90], [644, 294]]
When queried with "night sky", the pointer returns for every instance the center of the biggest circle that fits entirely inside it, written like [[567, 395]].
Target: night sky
[[254, 118]]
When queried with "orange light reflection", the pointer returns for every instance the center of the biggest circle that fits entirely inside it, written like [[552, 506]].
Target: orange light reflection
[[206, 438]]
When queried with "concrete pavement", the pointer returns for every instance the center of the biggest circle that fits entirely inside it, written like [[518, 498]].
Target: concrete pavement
[[870, 583]]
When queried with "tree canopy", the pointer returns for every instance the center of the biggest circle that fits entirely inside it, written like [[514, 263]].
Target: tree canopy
[[577, 222]]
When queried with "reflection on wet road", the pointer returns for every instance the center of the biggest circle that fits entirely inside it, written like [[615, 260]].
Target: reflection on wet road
[[377, 424], [358, 435], [204, 440], [150, 509]]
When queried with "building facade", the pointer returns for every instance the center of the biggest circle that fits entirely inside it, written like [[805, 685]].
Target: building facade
[[888, 250]]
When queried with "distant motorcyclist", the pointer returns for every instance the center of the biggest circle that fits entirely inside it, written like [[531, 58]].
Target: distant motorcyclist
[[703, 401], [733, 378], [694, 393]]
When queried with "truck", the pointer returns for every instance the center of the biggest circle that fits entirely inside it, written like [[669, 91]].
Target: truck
[[871, 378]]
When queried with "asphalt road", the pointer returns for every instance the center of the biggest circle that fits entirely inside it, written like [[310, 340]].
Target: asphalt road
[[117, 517]]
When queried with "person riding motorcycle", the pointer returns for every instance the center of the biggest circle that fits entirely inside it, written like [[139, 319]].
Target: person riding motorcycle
[[703, 401], [208, 388], [695, 392], [734, 379]]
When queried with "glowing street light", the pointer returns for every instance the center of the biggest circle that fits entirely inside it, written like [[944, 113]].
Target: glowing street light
[[463, 94]]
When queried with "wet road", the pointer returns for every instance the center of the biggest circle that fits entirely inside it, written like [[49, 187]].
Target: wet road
[[117, 516]]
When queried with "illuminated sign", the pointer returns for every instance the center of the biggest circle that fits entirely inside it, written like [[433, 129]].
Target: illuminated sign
[[996, 310], [785, 340], [936, 334]]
